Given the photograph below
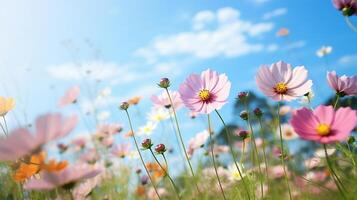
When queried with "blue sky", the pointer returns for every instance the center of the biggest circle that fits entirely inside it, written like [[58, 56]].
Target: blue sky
[[130, 45]]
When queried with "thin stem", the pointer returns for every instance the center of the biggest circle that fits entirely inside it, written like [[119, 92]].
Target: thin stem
[[243, 153], [336, 102], [212, 154], [264, 154], [166, 173], [233, 153], [181, 140], [141, 157], [3, 129], [334, 176], [349, 23], [178, 141], [255, 149], [7, 130], [282, 152]]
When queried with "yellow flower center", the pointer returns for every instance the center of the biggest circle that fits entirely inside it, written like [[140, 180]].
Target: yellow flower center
[[323, 129], [204, 95], [280, 88]]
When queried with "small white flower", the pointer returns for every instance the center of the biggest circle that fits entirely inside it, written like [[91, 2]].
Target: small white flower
[[158, 114], [234, 173], [321, 152], [106, 92], [149, 127], [104, 115], [287, 131], [323, 51]]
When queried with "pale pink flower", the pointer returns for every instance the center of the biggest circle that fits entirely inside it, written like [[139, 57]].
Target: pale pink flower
[[72, 174], [121, 150], [21, 142], [343, 85], [109, 129], [163, 100], [220, 149], [82, 190], [151, 194], [197, 142], [108, 141], [276, 171], [281, 82], [312, 162], [70, 96], [206, 92], [284, 110], [324, 124], [79, 142], [91, 156], [287, 132]]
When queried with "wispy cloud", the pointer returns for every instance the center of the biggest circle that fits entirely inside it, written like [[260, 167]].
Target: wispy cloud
[[220, 33], [295, 45], [348, 60], [275, 13]]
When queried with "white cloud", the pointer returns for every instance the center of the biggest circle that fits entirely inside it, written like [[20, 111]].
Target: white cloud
[[295, 45], [275, 13], [228, 36], [202, 18], [348, 60], [272, 47]]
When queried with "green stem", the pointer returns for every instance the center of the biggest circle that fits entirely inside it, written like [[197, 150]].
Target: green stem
[[243, 153], [264, 153], [334, 175], [213, 156], [182, 151], [7, 130], [166, 173], [181, 140], [349, 23], [336, 102], [282, 152], [233, 153], [255, 149], [141, 157]]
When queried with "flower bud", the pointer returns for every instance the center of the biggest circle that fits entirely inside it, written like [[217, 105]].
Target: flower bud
[[258, 113], [160, 148], [243, 134], [244, 115], [351, 140], [124, 106], [146, 144], [347, 11], [138, 171], [242, 96], [164, 83]]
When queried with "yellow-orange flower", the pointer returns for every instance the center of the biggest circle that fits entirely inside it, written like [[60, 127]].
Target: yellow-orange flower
[[34, 165], [156, 170], [6, 104], [134, 100], [140, 190]]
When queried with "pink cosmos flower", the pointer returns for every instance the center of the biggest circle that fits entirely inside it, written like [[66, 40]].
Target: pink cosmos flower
[[91, 156], [121, 150], [324, 124], [281, 82], [206, 92], [348, 7], [343, 85], [163, 100], [70, 96], [72, 174], [21, 142], [79, 142], [197, 142]]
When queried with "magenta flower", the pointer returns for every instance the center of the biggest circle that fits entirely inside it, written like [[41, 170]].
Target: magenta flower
[[206, 92], [21, 142], [163, 100], [70, 96], [343, 85], [324, 124], [73, 174], [348, 7], [281, 82]]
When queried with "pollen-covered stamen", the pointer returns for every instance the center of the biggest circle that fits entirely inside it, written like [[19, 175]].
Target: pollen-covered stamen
[[204, 95], [323, 129], [281, 88]]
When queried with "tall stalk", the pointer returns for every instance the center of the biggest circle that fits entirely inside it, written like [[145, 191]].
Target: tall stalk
[[234, 156], [282, 153], [181, 139], [213, 156], [141, 157]]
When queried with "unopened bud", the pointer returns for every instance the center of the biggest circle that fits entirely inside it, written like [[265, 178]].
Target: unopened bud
[[164, 83]]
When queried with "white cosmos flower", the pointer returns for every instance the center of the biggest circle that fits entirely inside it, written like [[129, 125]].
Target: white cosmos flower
[[306, 99], [287, 131], [234, 173], [321, 152], [149, 127], [323, 51], [158, 114]]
